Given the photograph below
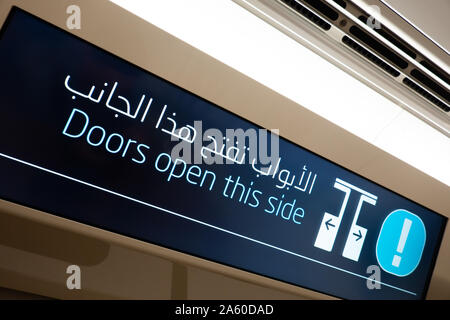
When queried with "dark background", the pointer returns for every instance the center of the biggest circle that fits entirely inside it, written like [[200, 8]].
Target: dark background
[[35, 59]]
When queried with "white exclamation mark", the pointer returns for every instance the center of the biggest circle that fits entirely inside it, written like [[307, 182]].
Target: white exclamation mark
[[401, 243]]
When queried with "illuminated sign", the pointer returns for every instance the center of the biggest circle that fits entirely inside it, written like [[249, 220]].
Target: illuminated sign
[[90, 137]]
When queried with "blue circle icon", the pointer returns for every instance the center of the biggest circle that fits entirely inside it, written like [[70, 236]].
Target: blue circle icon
[[400, 243]]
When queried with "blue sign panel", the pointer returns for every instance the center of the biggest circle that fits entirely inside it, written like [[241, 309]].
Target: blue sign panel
[[90, 137]]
